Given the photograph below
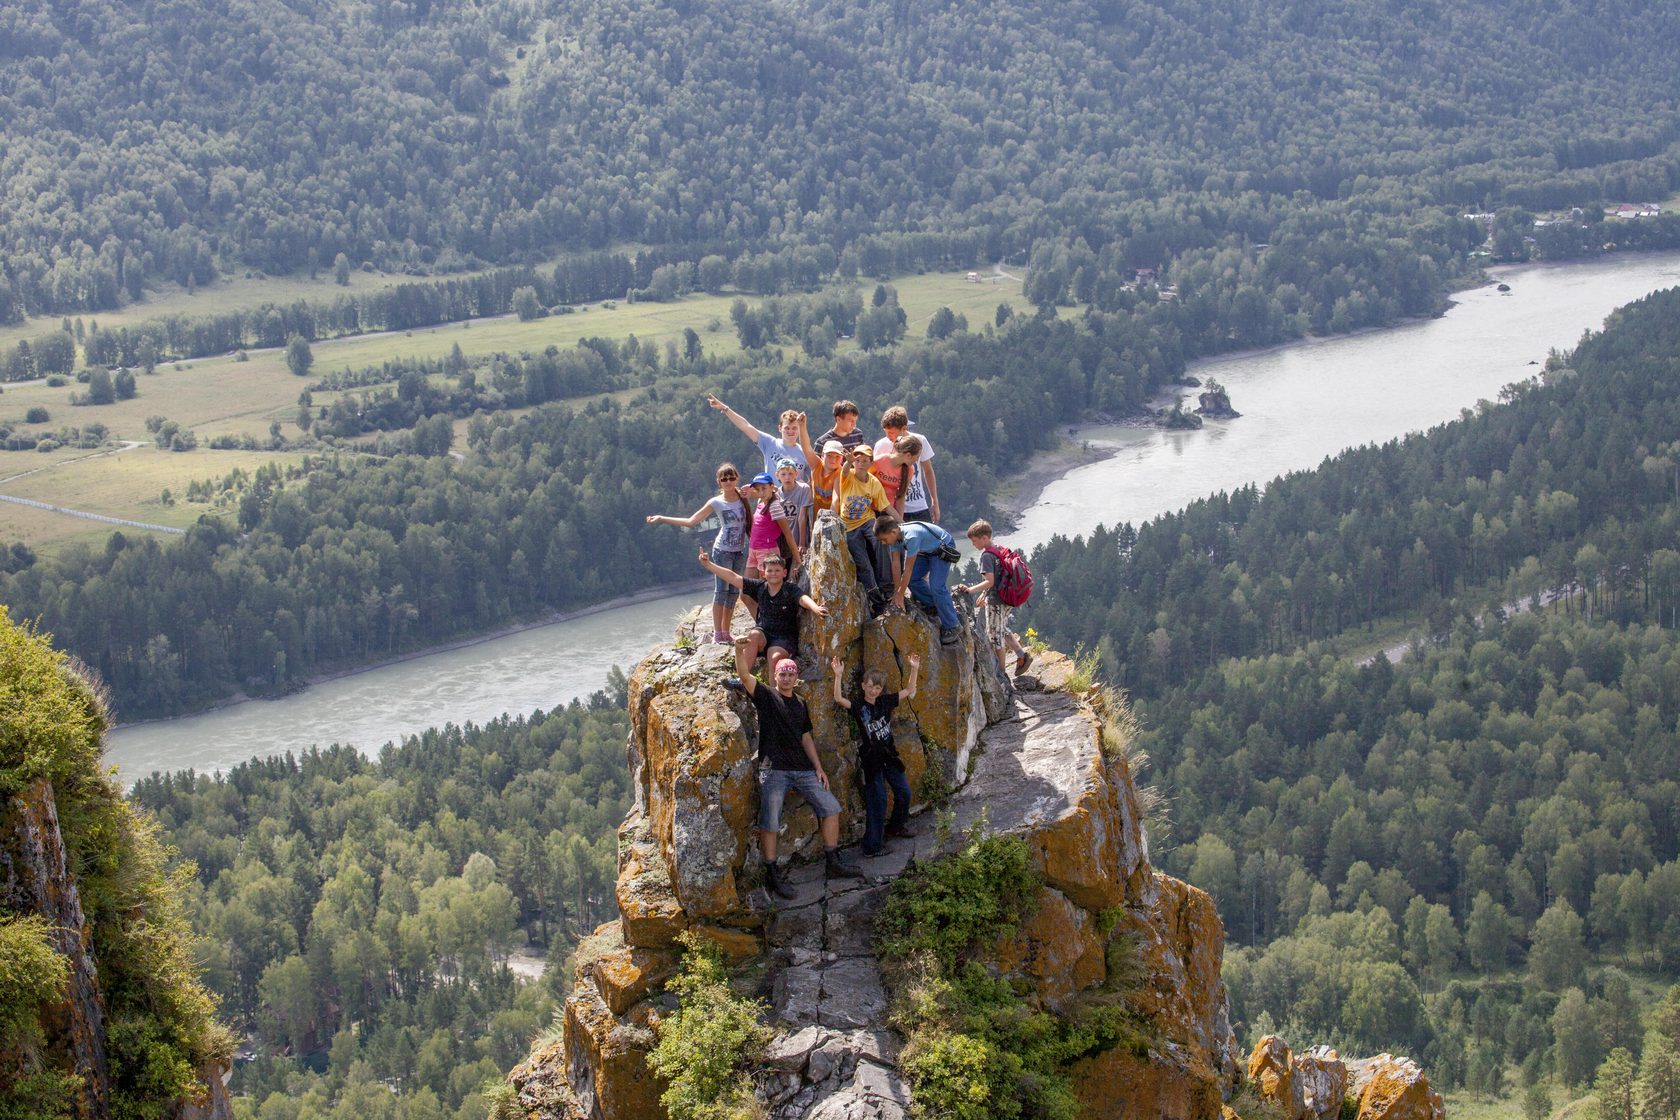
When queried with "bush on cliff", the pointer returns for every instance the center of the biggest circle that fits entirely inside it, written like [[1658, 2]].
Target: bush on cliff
[[707, 1045], [977, 1050], [159, 1031]]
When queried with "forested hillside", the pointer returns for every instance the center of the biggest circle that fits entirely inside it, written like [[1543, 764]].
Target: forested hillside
[[1471, 854], [363, 910], [171, 140]]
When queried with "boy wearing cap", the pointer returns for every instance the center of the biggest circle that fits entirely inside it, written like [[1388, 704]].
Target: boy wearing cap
[[857, 500], [788, 755], [796, 498], [773, 449], [826, 466], [776, 601]]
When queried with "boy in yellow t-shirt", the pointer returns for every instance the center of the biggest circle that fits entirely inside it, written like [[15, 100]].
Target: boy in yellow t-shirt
[[857, 499]]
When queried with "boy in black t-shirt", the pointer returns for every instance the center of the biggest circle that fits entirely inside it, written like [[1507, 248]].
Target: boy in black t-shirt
[[779, 603], [878, 755], [790, 763]]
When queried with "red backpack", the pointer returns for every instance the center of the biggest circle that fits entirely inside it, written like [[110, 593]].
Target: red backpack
[[1013, 584]]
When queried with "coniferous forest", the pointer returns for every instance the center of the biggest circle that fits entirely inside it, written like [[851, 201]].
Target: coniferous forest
[[1468, 854]]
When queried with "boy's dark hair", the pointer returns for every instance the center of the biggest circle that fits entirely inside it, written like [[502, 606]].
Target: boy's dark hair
[[886, 523], [981, 528], [844, 408], [895, 417], [875, 677]]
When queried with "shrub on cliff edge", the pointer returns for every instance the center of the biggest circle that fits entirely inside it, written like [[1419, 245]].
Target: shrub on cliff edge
[[158, 1016]]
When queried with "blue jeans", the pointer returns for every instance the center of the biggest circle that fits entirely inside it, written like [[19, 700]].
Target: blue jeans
[[773, 787], [726, 594], [929, 584], [868, 557], [875, 822]]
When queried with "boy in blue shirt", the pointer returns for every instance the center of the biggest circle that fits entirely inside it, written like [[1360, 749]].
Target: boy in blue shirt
[[925, 570]]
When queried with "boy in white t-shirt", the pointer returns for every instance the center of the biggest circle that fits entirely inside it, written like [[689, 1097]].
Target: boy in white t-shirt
[[921, 493]]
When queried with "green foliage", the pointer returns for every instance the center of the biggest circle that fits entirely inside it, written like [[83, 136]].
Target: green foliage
[[1248, 1104], [51, 720], [32, 974], [708, 1045], [946, 907], [977, 1049], [361, 910], [159, 1030]]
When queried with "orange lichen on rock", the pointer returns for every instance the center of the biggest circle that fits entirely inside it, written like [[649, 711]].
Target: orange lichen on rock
[[1057, 950], [1161, 1084], [1272, 1074], [1391, 1088]]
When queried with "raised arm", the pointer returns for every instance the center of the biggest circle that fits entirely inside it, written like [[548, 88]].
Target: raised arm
[[839, 697], [688, 522], [745, 655], [734, 417], [720, 571], [908, 692], [812, 459]]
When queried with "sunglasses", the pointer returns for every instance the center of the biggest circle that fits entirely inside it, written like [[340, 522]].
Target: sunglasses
[[728, 477]]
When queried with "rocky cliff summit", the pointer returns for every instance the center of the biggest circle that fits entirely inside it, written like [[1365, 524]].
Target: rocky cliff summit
[[1094, 990]]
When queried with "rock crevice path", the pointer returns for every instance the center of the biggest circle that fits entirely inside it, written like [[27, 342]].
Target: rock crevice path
[[833, 1059]]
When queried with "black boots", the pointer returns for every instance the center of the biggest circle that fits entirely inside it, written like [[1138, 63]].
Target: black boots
[[837, 869], [775, 884]]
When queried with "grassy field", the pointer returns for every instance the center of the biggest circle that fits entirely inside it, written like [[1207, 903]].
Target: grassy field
[[1463, 1106], [222, 396], [127, 484]]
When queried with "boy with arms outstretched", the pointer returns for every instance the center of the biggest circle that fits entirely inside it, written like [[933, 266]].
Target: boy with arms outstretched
[[773, 449], [778, 602], [878, 755], [789, 757]]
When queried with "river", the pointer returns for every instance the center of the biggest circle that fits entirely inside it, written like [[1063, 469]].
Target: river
[[1299, 404]]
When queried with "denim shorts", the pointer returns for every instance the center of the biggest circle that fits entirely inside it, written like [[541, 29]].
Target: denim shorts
[[773, 787], [726, 594]]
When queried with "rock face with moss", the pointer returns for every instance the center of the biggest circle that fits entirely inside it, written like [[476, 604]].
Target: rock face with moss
[[104, 1013], [1020, 943]]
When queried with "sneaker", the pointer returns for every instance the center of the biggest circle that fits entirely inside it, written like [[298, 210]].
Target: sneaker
[[948, 635], [722, 638], [775, 884], [1021, 662], [900, 832], [734, 684], [839, 869]]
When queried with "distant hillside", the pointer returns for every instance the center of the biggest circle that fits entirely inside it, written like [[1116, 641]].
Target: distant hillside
[[175, 139]]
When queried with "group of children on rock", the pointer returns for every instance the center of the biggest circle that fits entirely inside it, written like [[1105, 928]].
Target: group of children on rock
[[886, 497]]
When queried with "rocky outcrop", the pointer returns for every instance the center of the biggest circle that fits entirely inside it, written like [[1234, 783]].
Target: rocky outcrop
[[1316, 1085], [1028, 759], [35, 879], [1215, 403]]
